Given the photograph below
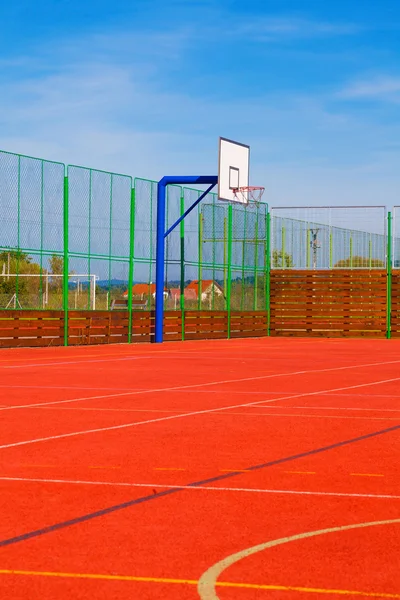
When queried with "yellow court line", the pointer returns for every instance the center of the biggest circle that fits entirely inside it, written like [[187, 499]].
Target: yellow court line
[[128, 354], [82, 355], [230, 584], [103, 467], [209, 579], [367, 474], [168, 469], [40, 466], [302, 472], [235, 470], [307, 590]]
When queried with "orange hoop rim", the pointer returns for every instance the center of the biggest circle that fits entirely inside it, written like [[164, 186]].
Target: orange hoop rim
[[251, 194]]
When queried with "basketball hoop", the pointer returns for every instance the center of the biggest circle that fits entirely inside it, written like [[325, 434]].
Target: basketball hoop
[[249, 195]]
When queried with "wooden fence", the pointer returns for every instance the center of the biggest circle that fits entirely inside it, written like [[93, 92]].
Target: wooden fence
[[336, 303], [46, 328]]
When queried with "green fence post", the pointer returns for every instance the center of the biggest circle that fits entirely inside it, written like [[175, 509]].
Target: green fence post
[[255, 289], [229, 289], [283, 250], [200, 251], [226, 261], [243, 291], [89, 299], [65, 265], [131, 264], [330, 251], [110, 232], [370, 252], [42, 303], [212, 303], [182, 290], [308, 249], [268, 272], [389, 277], [17, 265], [351, 253]]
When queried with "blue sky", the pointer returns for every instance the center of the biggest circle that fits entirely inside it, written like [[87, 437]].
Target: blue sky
[[146, 88]]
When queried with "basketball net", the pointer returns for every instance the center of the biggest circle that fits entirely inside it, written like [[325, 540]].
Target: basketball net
[[249, 195]]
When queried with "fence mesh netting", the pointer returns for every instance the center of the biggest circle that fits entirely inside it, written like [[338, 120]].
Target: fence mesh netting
[[329, 238], [77, 238], [73, 237]]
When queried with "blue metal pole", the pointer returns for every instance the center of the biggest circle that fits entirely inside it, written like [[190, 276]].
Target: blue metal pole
[[189, 210], [160, 261], [160, 250]]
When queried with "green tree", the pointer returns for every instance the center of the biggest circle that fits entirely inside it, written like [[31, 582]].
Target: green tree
[[56, 264], [14, 264], [281, 259], [359, 262]]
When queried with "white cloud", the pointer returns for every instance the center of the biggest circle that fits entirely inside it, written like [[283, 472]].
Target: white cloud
[[112, 111], [380, 88], [276, 29]]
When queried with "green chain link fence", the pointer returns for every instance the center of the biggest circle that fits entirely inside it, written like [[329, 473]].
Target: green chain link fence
[[75, 238], [329, 237]]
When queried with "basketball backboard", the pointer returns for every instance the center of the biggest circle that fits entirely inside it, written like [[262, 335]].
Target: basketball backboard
[[233, 170]]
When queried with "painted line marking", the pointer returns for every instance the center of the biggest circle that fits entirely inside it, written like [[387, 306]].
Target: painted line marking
[[62, 387], [103, 467], [167, 580], [234, 470], [248, 413], [79, 362], [122, 410], [221, 382], [337, 407], [297, 416], [367, 474], [208, 581], [39, 466], [182, 415], [167, 492], [302, 472], [178, 487], [168, 469]]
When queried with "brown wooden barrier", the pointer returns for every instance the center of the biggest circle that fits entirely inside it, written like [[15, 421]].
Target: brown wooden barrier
[[350, 303], [211, 324], [46, 328], [395, 312], [336, 303], [249, 324], [31, 328], [86, 327]]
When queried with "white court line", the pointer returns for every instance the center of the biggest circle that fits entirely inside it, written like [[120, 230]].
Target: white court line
[[248, 393], [247, 413], [68, 387], [200, 487], [231, 392], [83, 362], [253, 414], [180, 416], [207, 384], [339, 408], [79, 362]]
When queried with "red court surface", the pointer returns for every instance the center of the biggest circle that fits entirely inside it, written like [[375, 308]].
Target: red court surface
[[240, 469]]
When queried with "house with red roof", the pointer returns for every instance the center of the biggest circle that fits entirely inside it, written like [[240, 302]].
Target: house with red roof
[[206, 288], [175, 296], [144, 290]]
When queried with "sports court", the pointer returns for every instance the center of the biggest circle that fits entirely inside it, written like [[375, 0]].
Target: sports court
[[232, 469]]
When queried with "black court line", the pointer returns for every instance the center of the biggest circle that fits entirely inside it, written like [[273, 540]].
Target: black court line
[[156, 495]]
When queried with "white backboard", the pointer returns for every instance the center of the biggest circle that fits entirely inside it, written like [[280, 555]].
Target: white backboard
[[233, 169]]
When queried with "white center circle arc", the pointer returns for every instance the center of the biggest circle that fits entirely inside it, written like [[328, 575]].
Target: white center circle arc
[[208, 581]]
